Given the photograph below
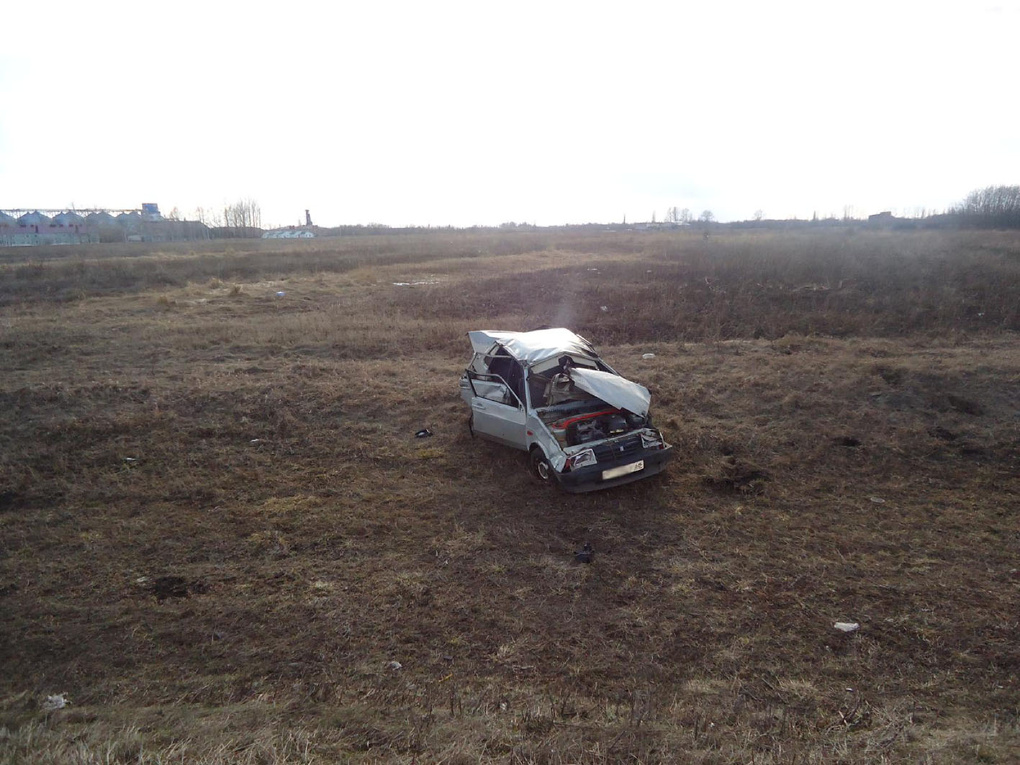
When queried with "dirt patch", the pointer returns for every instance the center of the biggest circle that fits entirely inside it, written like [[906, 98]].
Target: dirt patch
[[8, 501], [164, 587], [943, 434], [736, 476], [965, 405]]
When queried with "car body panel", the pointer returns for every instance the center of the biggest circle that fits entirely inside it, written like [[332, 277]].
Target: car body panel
[[590, 479], [532, 347], [613, 389], [501, 422]]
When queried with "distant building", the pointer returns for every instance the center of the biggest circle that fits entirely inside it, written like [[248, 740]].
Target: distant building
[[8, 223], [34, 220], [34, 227], [97, 219], [660, 226], [37, 228], [100, 219], [68, 220], [289, 233]]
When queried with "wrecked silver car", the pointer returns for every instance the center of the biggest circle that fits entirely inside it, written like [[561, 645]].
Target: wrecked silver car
[[548, 393]]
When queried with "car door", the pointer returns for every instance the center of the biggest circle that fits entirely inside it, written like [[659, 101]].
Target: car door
[[496, 411]]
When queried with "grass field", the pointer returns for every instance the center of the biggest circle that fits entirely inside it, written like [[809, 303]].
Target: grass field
[[221, 540]]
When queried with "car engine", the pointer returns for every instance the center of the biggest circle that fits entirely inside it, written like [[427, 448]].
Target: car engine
[[596, 426]]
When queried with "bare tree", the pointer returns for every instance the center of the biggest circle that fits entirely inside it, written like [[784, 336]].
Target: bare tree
[[993, 206], [707, 216], [676, 215], [759, 215], [207, 217], [244, 216]]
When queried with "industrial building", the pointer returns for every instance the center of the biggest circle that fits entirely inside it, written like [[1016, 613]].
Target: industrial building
[[24, 227]]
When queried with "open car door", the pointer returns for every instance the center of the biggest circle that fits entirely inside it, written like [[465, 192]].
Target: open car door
[[496, 411]]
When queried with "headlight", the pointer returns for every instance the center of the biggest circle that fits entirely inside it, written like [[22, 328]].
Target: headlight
[[651, 441], [582, 459]]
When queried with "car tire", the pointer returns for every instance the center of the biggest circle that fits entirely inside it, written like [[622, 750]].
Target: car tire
[[540, 467]]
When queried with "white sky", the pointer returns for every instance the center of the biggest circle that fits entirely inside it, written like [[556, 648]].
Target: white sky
[[478, 113]]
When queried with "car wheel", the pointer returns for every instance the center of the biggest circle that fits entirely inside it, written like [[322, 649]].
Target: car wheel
[[540, 467]]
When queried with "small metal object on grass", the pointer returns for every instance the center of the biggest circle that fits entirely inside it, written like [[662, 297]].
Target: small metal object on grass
[[55, 702], [586, 554]]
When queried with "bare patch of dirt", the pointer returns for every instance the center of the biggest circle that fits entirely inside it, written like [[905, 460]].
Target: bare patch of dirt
[[164, 587]]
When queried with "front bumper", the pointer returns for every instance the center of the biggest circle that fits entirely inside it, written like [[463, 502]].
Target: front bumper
[[590, 478]]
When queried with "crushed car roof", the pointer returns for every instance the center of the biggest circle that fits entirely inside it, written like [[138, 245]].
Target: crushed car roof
[[532, 347]]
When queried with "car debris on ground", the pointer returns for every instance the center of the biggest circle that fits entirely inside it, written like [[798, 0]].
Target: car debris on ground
[[586, 554], [55, 702]]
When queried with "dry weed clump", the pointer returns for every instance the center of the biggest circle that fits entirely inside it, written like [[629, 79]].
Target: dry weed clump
[[221, 540]]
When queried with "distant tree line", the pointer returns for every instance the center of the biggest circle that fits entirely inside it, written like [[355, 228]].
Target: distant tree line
[[993, 207]]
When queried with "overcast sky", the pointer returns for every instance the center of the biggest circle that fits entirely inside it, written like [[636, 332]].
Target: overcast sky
[[479, 113]]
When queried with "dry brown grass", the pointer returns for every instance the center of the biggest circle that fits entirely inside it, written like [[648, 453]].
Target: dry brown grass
[[846, 415]]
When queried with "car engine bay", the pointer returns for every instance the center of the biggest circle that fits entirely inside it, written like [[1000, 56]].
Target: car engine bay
[[575, 427]]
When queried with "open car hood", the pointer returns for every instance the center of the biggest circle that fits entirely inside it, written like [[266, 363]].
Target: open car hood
[[614, 390]]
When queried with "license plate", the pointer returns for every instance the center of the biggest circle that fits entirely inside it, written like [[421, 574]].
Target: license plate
[[623, 470]]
